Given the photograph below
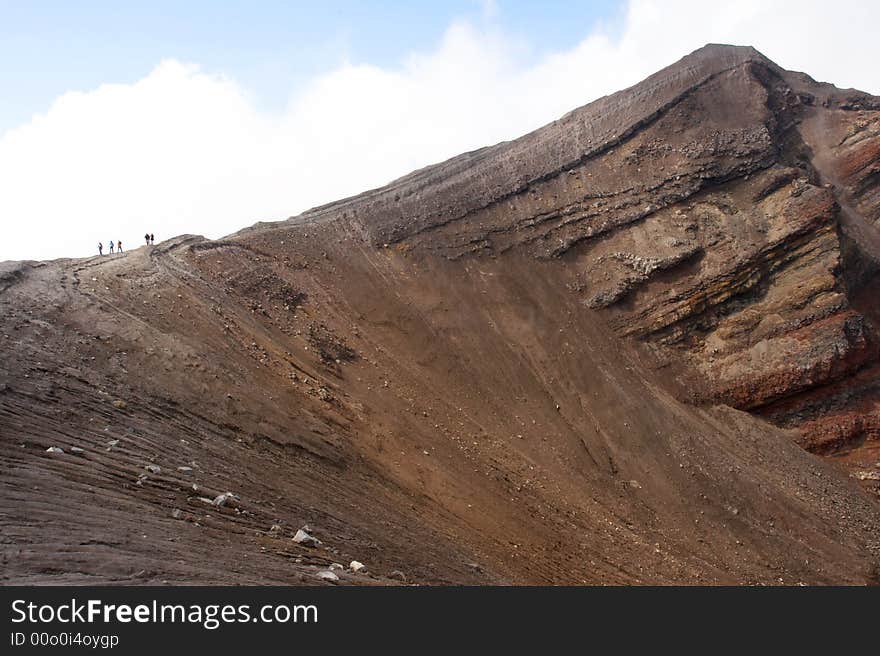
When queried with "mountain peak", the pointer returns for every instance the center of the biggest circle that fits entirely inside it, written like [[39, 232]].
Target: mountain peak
[[742, 53]]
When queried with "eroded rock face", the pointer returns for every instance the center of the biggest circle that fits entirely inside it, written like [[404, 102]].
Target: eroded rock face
[[724, 212], [855, 154]]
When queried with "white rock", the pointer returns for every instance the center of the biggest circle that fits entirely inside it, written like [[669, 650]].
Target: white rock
[[54, 449], [153, 469], [334, 566], [223, 499], [327, 575], [305, 539], [355, 566]]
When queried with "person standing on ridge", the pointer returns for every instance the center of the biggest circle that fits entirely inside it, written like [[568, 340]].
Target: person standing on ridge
[[111, 248], [100, 248], [119, 246], [152, 238], [147, 238]]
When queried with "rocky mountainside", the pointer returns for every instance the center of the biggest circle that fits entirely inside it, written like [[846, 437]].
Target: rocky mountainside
[[595, 354]]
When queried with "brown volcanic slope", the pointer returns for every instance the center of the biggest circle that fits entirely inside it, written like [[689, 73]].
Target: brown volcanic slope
[[586, 355]]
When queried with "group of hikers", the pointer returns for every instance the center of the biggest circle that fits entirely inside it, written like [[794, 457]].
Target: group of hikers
[[148, 237], [118, 247]]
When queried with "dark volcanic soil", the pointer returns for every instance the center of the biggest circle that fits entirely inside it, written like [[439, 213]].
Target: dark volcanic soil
[[591, 355]]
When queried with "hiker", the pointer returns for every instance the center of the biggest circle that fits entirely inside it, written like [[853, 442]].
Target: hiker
[[147, 238], [119, 246], [152, 238], [100, 248], [111, 248]]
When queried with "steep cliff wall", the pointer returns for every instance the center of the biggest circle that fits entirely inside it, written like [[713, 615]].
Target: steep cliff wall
[[723, 211]]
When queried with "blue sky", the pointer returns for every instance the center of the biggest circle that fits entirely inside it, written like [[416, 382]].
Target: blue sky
[[271, 48]]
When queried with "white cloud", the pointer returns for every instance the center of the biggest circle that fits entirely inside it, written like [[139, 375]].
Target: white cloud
[[183, 150]]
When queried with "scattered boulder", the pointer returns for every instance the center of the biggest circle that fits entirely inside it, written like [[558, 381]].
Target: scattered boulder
[[302, 537], [334, 566], [153, 469], [397, 574], [327, 575], [119, 404], [356, 566], [176, 513], [77, 450], [54, 449]]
